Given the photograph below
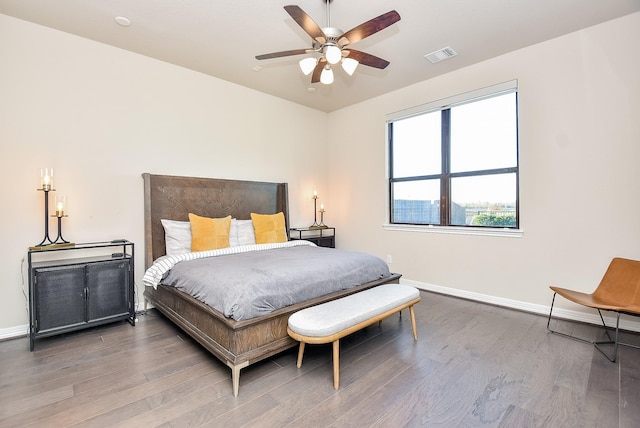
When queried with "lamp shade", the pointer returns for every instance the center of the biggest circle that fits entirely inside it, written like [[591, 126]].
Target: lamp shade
[[307, 65], [333, 54], [326, 76], [349, 65]]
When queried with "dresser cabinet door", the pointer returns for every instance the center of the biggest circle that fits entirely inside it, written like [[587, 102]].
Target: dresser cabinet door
[[107, 289], [59, 297]]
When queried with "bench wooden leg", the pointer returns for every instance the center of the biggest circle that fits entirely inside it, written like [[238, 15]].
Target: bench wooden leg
[[300, 354], [336, 364], [413, 322]]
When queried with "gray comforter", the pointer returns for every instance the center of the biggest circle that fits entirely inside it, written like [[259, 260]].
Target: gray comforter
[[255, 283]]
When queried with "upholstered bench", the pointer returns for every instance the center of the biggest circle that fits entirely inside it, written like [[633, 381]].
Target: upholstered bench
[[331, 321]]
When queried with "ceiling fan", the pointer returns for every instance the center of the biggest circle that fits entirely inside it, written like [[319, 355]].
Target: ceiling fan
[[331, 46]]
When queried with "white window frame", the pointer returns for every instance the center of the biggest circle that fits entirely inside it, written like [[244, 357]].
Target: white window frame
[[471, 96]]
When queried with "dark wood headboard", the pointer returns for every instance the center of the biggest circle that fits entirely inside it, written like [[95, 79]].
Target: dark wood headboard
[[174, 197]]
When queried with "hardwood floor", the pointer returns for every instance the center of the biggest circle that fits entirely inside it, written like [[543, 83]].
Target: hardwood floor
[[473, 365]]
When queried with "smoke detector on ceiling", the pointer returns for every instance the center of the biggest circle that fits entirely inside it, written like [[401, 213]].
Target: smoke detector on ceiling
[[123, 21], [441, 54]]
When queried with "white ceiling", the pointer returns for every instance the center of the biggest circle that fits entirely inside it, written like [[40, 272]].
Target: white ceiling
[[222, 38]]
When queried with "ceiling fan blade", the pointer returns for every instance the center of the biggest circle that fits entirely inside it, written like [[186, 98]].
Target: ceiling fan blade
[[281, 54], [307, 24], [368, 28], [315, 77], [367, 59]]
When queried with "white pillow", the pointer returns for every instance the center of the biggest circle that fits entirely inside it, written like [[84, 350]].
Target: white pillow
[[177, 236], [246, 235], [233, 233]]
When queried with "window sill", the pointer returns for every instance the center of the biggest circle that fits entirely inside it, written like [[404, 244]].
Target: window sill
[[453, 230]]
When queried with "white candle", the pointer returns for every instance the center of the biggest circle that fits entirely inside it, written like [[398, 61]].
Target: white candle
[[315, 194], [321, 207]]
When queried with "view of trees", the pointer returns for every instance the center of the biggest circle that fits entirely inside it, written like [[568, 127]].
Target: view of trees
[[495, 220]]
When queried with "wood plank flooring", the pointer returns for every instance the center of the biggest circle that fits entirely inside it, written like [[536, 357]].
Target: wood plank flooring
[[473, 365]]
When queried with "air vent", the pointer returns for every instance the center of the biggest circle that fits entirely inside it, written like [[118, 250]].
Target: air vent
[[441, 54]]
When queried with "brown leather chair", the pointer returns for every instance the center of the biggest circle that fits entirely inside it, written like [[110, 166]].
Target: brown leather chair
[[619, 291]]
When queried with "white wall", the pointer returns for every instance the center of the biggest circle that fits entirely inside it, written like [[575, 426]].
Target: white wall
[[579, 104], [101, 116]]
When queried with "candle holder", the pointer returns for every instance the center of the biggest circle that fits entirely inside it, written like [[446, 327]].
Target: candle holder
[[61, 205], [315, 224], [60, 241], [46, 187], [322, 211]]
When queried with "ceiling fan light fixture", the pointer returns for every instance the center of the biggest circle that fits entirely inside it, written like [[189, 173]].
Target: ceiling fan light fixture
[[307, 65], [326, 76], [333, 54], [332, 46], [349, 65]]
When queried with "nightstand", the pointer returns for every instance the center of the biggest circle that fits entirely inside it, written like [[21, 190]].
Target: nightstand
[[324, 237]]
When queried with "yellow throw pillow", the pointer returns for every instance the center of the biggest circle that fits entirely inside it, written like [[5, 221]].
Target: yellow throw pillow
[[269, 228], [209, 233]]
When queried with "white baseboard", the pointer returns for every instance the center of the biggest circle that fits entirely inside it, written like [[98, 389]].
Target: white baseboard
[[23, 330], [13, 332], [625, 322]]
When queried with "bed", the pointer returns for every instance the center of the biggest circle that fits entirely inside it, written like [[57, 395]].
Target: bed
[[236, 343]]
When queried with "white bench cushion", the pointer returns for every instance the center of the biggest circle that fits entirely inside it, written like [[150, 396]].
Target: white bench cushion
[[338, 315]]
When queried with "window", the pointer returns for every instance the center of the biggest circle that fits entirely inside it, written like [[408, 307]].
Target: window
[[455, 162]]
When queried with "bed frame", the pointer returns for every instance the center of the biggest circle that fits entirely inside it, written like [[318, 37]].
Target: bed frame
[[236, 343]]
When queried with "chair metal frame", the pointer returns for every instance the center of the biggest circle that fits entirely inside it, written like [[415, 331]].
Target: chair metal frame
[[617, 307]]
